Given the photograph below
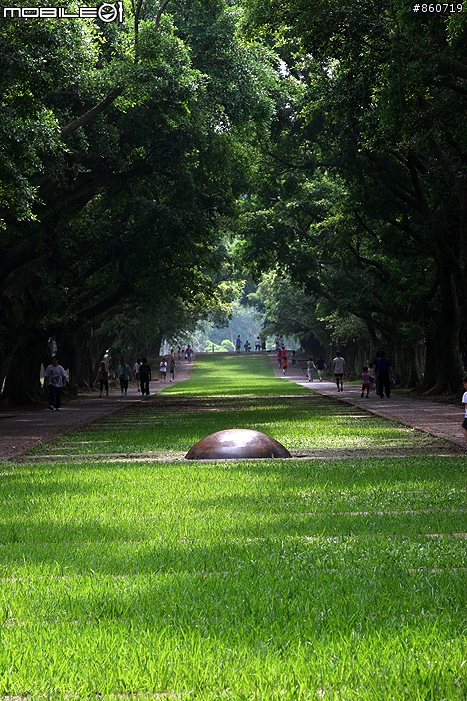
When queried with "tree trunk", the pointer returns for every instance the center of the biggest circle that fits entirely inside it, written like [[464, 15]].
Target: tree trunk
[[446, 336], [22, 381]]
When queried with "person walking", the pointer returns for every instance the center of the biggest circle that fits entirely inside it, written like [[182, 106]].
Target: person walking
[[55, 377], [384, 373], [309, 369], [103, 379], [257, 344], [124, 374], [144, 376], [371, 372], [294, 358], [163, 370], [285, 363], [320, 366], [338, 368], [172, 371], [238, 344], [366, 382], [464, 401], [136, 373]]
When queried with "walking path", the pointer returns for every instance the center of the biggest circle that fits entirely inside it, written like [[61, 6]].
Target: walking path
[[21, 430], [441, 420]]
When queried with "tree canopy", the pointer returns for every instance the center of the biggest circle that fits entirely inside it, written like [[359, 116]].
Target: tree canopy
[[331, 145]]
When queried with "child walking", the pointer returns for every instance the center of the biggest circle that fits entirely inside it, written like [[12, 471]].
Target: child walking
[[365, 382]]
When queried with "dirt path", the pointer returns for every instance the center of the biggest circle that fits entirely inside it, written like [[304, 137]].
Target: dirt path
[[440, 420], [21, 430]]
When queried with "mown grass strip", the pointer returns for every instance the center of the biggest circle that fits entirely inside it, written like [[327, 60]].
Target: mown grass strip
[[182, 414], [274, 579]]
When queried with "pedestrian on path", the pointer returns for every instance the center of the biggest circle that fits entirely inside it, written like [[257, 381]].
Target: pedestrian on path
[[384, 373], [238, 344], [124, 374], [55, 377], [284, 364], [464, 401], [320, 366], [310, 366], [172, 370], [365, 382], [144, 376], [103, 379], [136, 372], [163, 370], [338, 368], [371, 372]]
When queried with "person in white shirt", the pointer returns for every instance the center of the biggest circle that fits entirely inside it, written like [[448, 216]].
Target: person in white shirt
[[464, 401], [338, 368], [136, 373], [55, 376], [163, 370]]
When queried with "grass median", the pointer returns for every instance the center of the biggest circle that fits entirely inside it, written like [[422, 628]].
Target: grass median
[[270, 579]]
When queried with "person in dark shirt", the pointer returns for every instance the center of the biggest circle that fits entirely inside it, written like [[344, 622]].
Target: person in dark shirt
[[384, 372], [144, 376]]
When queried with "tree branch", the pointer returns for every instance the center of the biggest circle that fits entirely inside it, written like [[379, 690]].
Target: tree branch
[[160, 11], [92, 113]]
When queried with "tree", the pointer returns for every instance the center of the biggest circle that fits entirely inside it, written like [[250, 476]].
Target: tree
[[377, 106], [138, 161]]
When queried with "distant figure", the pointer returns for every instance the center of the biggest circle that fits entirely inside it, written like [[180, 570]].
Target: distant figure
[[189, 353], [136, 372], [371, 372], [464, 401], [378, 354], [172, 370], [55, 376], [179, 353], [124, 374], [310, 366], [257, 344], [238, 344], [163, 370], [144, 376], [277, 343], [320, 365], [338, 368], [247, 346], [279, 358], [263, 344], [384, 373], [284, 364], [294, 358], [103, 379], [365, 382]]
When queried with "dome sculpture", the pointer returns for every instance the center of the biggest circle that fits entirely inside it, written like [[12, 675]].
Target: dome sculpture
[[236, 443]]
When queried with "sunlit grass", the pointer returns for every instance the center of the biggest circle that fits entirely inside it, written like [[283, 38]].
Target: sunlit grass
[[232, 579], [273, 579], [241, 392]]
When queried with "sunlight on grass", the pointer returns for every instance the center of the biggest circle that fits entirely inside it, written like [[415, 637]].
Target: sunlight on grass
[[273, 579], [237, 392]]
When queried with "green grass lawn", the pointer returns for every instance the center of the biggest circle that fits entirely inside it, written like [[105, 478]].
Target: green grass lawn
[[272, 579], [239, 392]]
